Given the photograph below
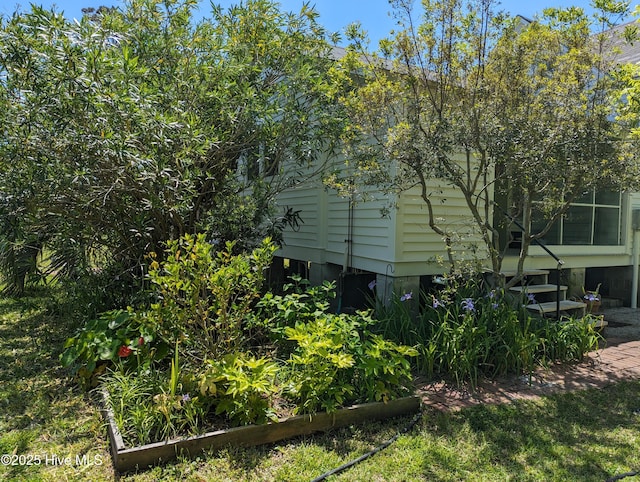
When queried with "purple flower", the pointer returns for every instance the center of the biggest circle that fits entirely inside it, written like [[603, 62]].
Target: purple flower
[[531, 297], [372, 284], [591, 297], [468, 305], [186, 397], [437, 303], [492, 295], [406, 296]]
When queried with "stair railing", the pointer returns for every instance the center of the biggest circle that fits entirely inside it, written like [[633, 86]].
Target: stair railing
[[547, 250]]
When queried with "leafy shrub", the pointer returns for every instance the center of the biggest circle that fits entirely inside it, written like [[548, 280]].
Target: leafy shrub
[[299, 303], [336, 361], [115, 336], [383, 370], [205, 296], [242, 387], [322, 363]]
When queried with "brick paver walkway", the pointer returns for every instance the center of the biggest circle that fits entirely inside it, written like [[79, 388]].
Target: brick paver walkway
[[618, 360]]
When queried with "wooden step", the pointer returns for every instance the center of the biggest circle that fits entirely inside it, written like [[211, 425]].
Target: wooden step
[[535, 289], [551, 306]]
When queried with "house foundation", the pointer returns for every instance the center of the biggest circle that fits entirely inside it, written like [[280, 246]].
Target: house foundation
[[321, 272], [576, 280], [388, 287]]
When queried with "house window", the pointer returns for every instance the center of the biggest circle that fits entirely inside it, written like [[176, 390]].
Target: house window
[[270, 165], [593, 219], [261, 161], [252, 163]]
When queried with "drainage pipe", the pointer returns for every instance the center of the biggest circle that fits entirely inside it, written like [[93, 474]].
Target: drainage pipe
[[348, 254], [372, 452], [634, 279]]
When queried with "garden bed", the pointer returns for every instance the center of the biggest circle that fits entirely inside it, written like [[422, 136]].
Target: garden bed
[[131, 458]]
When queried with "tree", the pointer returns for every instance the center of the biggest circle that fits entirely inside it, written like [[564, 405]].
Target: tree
[[500, 108], [133, 127], [629, 76]]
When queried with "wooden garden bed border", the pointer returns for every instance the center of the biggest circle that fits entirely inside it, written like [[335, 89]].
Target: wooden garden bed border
[[127, 459]]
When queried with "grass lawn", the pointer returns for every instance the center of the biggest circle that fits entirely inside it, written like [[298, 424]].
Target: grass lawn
[[589, 435]]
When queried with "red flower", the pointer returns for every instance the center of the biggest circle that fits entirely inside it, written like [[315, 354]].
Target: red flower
[[140, 341], [124, 351]]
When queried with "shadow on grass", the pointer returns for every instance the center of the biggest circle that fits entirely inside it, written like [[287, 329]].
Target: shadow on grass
[[42, 413], [583, 435]]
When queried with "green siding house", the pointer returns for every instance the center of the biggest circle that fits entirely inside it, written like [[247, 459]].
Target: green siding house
[[597, 239]]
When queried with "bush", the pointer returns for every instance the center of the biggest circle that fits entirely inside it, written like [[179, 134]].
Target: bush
[[300, 303], [336, 360], [204, 297], [116, 336], [242, 387], [321, 365], [332, 359]]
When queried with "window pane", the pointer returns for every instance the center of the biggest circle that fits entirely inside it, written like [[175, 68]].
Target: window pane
[[253, 165], [612, 198], [537, 196], [270, 162], [577, 225], [538, 223], [586, 198], [607, 227]]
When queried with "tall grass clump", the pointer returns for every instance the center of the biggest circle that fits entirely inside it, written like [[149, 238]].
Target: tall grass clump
[[466, 330]]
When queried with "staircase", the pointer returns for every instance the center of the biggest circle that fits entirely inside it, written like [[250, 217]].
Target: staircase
[[536, 283]]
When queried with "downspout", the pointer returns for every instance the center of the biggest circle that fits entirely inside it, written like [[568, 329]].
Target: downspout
[[634, 279], [348, 251], [348, 254], [635, 224]]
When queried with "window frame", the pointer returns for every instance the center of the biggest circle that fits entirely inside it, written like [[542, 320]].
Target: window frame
[[594, 206]]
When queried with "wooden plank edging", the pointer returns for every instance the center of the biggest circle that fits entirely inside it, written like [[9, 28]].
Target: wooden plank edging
[[127, 459]]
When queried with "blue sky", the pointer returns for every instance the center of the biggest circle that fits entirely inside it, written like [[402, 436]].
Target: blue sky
[[334, 14]]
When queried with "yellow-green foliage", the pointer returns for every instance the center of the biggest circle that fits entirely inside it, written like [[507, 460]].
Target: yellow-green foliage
[[204, 295]]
